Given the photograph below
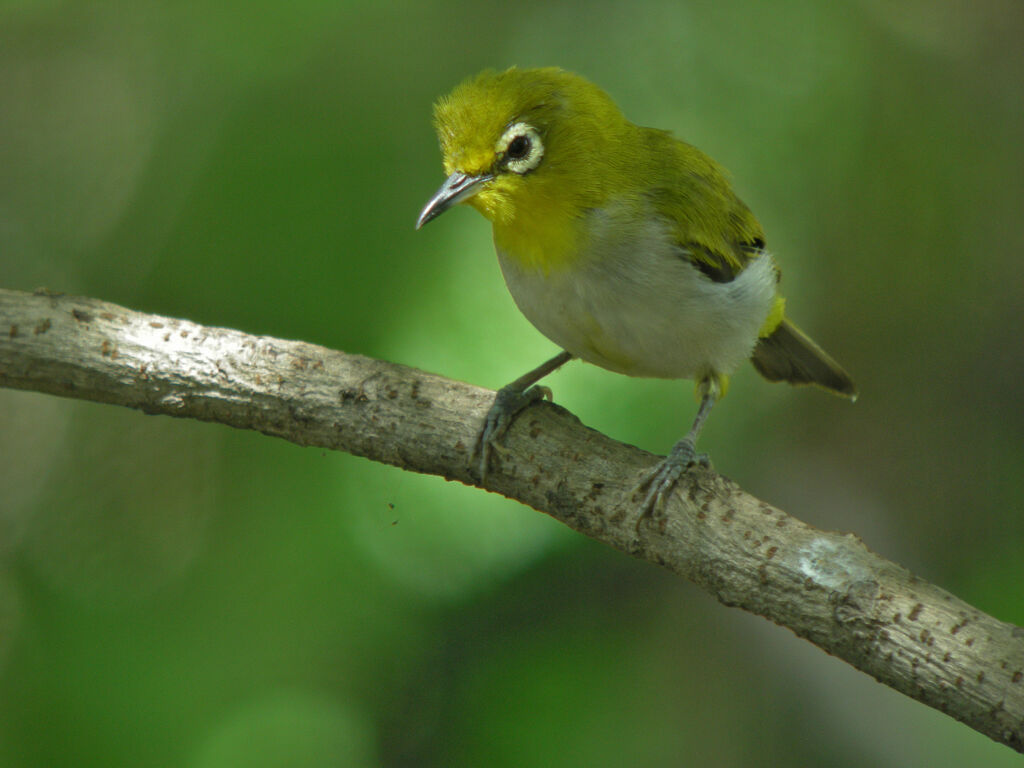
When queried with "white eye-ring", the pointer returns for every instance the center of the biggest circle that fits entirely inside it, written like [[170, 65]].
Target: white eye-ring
[[520, 148]]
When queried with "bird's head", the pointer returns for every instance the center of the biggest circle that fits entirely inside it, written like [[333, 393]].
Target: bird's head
[[526, 142]]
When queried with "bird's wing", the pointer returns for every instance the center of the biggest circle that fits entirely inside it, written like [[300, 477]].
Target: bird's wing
[[713, 228], [718, 265]]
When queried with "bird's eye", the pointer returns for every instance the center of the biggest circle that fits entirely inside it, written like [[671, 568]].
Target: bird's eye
[[520, 148]]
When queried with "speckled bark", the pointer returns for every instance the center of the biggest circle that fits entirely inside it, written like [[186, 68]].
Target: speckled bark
[[825, 586]]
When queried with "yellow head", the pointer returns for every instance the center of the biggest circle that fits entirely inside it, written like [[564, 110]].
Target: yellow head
[[544, 144]]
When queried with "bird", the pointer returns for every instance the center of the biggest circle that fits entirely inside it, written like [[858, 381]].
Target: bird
[[625, 246]]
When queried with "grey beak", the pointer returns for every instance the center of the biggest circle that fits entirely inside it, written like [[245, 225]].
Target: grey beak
[[455, 189]]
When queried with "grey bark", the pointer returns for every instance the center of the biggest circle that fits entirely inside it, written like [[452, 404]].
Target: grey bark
[[825, 586]]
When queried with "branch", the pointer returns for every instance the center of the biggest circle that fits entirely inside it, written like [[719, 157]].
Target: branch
[[826, 587]]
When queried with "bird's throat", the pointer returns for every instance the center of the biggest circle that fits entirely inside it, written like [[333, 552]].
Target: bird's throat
[[545, 241]]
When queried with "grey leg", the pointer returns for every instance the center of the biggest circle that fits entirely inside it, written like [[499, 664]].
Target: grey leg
[[510, 400]]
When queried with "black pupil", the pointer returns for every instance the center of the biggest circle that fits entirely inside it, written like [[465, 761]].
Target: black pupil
[[519, 147]]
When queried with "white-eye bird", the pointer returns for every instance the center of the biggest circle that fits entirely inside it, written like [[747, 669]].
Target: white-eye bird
[[623, 245]]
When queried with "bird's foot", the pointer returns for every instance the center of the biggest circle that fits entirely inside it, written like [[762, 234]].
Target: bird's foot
[[507, 405], [661, 480]]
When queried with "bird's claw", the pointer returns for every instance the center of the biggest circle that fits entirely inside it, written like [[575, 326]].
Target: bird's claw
[[662, 479], [506, 406]]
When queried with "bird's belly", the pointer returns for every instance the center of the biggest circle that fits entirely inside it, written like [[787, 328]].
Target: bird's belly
[[652, 315]]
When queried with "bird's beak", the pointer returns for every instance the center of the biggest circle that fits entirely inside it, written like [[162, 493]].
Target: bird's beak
[[456, 188]]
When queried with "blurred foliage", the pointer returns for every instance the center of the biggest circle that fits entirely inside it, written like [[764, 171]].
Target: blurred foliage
[[179, 594]]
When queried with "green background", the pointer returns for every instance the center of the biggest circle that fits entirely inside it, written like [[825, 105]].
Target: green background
[[181, 594]]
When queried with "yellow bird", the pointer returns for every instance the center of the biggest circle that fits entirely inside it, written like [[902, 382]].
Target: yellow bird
[[623, 245]]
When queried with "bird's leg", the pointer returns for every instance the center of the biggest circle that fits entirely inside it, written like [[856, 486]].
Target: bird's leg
[[510, 400], [662, 479]]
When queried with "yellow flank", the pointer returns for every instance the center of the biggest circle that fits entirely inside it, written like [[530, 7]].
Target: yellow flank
[[774, 319], [717, 384]]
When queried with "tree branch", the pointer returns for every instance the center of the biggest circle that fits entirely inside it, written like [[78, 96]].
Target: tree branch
[[826, 587]]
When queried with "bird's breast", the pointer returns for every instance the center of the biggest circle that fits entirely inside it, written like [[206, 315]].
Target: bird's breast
[[630, 301]]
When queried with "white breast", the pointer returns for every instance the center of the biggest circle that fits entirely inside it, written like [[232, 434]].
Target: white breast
[[633, 304]]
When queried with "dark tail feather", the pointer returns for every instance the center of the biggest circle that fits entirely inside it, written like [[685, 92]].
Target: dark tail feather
[[790, 355]]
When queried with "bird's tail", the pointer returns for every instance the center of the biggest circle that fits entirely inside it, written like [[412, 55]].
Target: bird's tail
[[788, 354]]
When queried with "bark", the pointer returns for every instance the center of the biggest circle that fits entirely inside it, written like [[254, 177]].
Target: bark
[[825, 586]]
